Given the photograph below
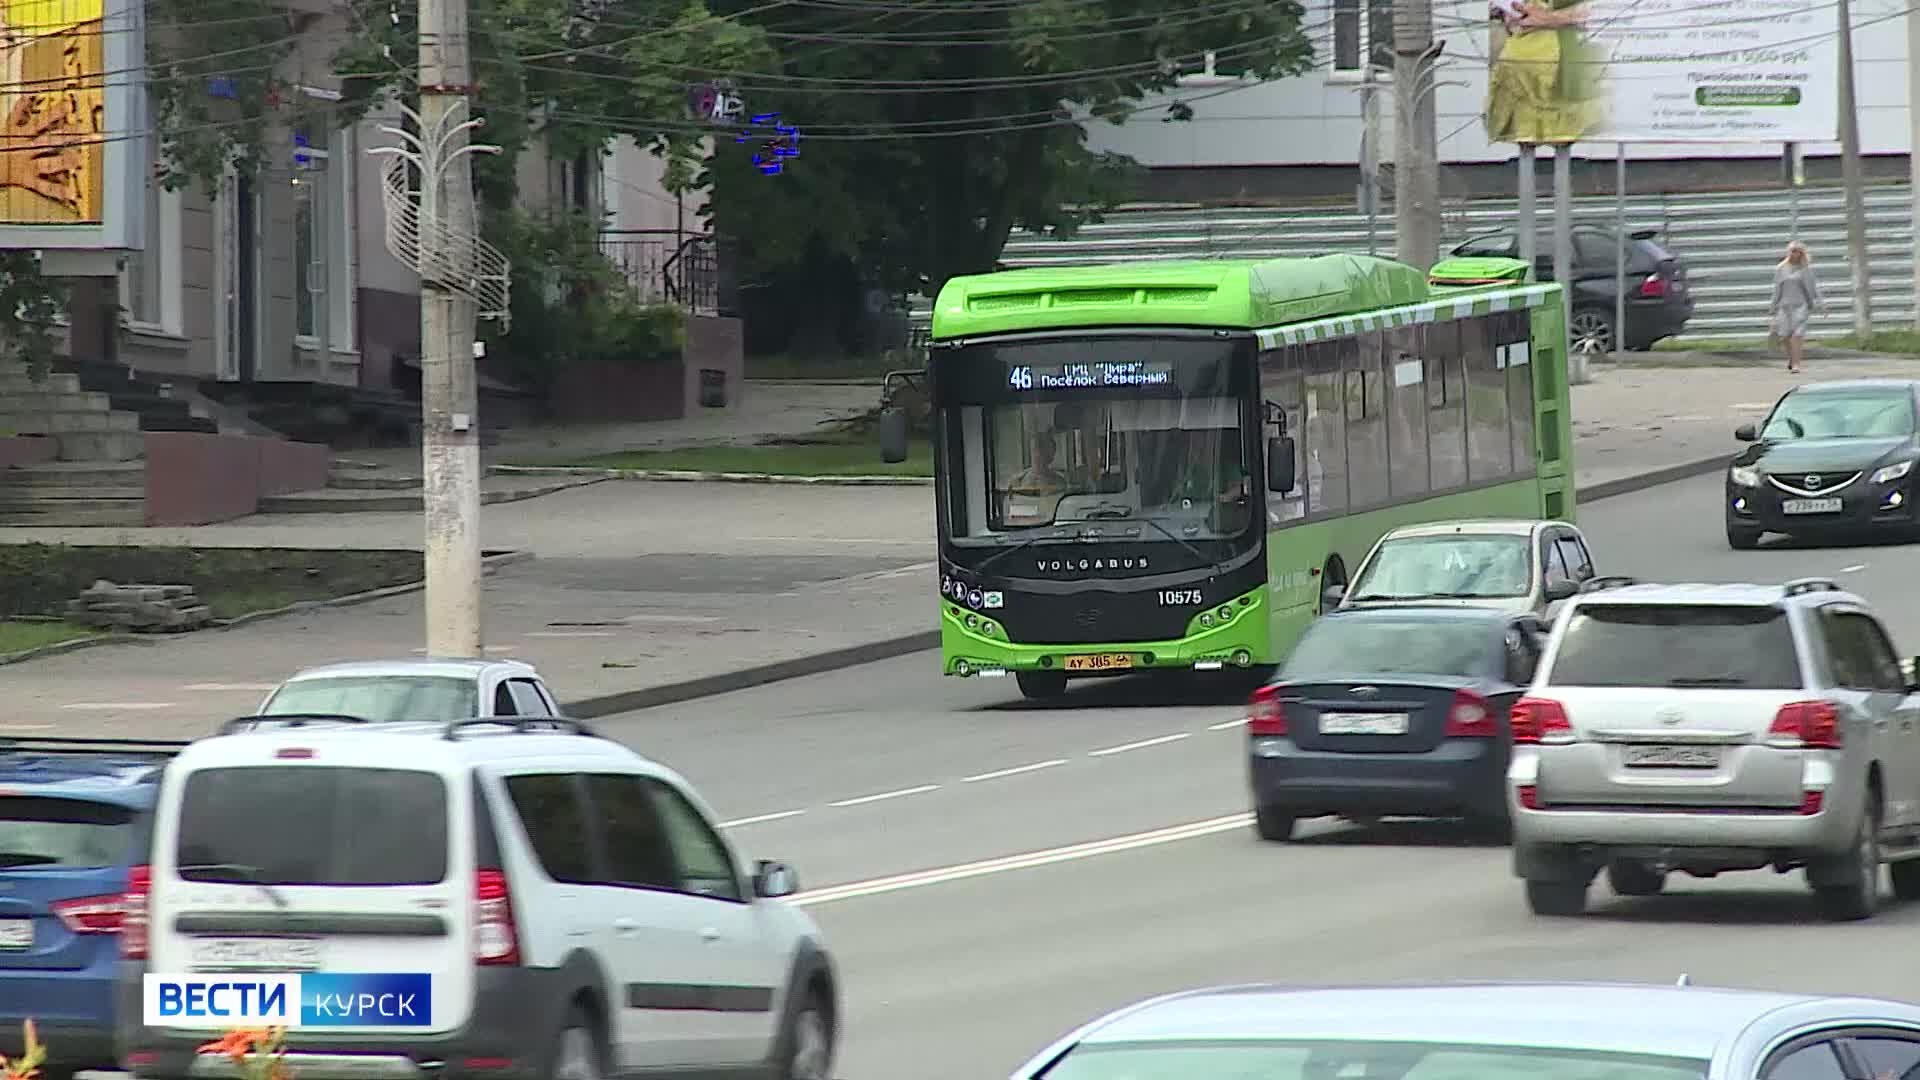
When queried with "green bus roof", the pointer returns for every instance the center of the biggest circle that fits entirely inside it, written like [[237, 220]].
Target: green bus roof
[[1243, 294]]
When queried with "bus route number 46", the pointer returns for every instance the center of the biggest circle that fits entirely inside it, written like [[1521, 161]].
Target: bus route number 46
[[1180, 597], [1020, 378]]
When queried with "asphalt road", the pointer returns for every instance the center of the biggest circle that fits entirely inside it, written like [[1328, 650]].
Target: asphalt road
[[992, 873]]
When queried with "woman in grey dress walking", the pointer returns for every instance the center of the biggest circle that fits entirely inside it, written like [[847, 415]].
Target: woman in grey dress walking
[[1796, 296]]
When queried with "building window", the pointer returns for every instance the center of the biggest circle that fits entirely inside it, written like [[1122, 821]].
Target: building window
[[323, 255], [150, 282], [1362, 29]]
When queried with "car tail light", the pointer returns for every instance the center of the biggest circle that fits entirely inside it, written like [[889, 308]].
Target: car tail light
[[1812, 725], [1529, 796], [495, 940], [1265, 713], [1469, 718], [134, 913], [1653, 287], [294, 753], [92, 914], [1539, 720], [1812, 801]]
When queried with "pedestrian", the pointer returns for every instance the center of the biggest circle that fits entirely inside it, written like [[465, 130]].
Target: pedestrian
[[1796, 296]]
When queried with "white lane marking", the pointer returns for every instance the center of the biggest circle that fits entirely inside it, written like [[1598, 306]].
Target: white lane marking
[[921, 790], [1854, 569], [114, 706], [489, 648], [758, 818], [1015, 771], [838, 540], [24, 727], [1752, 405], [568, 633], [1238, 721], [225, 687], [1047, 857], [670, 618], [1141, 745]]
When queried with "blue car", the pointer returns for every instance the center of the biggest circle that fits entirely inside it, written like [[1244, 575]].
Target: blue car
[[74, 831]]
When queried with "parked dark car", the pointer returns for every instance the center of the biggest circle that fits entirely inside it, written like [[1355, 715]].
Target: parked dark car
[[1391, 712], [1831, 458], [1659, 295], [74, 832]]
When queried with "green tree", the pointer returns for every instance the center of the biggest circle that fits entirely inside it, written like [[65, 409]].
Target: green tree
[[931, 129]]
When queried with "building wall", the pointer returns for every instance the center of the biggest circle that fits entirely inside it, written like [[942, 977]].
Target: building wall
[[1315, 120]]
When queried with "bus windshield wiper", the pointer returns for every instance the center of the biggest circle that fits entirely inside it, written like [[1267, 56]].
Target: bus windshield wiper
[[1022, 545]]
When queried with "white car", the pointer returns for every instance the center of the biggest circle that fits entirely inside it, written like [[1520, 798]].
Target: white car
[[576, 907], [414, 689], [1517, 565], [1702, 729]]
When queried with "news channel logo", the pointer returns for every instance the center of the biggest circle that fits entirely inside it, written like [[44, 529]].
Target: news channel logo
[[317, 1000]]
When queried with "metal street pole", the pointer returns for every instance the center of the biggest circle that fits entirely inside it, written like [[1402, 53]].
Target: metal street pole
[[1416, 193], [1619, 253], [1913, 146], [450, 428], [1526, 190], [1855, 184], [1563, 255]]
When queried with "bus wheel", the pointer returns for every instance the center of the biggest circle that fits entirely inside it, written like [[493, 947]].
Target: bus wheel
[[1041, 684]]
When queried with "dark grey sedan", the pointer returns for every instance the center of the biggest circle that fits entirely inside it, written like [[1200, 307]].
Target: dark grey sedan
[[1509, 1031], [1391, 712]]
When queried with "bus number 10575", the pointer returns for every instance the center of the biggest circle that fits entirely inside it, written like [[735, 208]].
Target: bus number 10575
[[1179, 597]]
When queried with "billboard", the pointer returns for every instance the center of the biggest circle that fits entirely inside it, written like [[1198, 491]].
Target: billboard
[[74, 149], [1714, 71]]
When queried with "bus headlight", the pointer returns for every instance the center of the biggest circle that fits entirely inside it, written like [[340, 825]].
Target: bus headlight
[[1225, 613], [1206, 618]]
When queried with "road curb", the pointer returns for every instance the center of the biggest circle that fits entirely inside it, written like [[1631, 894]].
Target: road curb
[[693, 476], [488, 564], [1627, 485], [823, 663], [75, 645], [728, 682]]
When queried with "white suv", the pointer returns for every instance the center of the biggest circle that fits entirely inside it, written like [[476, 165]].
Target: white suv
[[1708, 728], [578, 910]]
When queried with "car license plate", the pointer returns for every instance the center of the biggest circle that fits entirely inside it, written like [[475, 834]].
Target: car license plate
[[16, 933], [1100, 662], [1810, 506], [1673, 757], [263, 954], [1339, 723]]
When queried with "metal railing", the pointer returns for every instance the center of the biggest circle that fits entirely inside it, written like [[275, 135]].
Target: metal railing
[[1729, 241], [668, 267]]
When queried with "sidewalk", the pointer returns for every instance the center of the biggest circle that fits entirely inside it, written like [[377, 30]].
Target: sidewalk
[[635, 584]]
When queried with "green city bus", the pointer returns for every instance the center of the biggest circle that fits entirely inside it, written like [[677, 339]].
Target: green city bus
[[1164, 465]]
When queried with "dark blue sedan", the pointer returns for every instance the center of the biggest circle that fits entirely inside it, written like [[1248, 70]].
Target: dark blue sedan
[[1391, 712]]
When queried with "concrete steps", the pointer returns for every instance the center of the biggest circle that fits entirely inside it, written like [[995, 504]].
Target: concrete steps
[[82, 421], [74, 493]]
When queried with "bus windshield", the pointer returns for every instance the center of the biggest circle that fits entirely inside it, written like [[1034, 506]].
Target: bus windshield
[[1153, 468]]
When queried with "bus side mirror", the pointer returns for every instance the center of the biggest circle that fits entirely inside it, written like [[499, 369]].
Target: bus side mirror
[[1746, 433], [1561, 589], [893, 436], [1280, 465]]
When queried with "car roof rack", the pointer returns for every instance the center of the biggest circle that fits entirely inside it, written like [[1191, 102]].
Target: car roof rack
[[127, 748], [522, 725], [1805, 585], [254, 723], [1607, 581]]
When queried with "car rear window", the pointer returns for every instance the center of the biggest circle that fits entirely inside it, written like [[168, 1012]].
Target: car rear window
[[1368, 646], [54, 832], [379, 697], [312, 825], [1478, 566], [1677, 645]]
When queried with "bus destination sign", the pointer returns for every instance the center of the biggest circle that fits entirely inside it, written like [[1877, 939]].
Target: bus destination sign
[[1096, 374]]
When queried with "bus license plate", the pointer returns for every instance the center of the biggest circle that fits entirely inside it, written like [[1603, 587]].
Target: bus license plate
[[1099, 662], [1673, 757], [1810, 506]]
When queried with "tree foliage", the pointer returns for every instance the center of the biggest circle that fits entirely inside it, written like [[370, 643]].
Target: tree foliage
[[931, 130]]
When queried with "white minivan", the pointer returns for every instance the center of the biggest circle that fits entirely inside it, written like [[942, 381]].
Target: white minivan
[[576, 907]]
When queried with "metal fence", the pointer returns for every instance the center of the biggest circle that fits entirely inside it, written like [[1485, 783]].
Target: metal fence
[[668, 267], [1729, 241]]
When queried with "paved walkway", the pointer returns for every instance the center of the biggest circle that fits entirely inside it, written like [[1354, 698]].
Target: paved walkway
[[639, 584]]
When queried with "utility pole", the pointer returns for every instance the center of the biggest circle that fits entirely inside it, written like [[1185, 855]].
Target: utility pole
[[1913, 145], [450, 427], [1416, 195], [1855, 183]]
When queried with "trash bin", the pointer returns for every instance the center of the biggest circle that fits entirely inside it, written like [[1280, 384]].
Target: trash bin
[[713, 388]]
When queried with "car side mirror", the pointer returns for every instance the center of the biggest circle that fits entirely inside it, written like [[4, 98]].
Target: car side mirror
[[1746, 433], [1280, 467], [1910, 671], [1561, 589], [1331, 596], [893, 436], [773, 880]]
